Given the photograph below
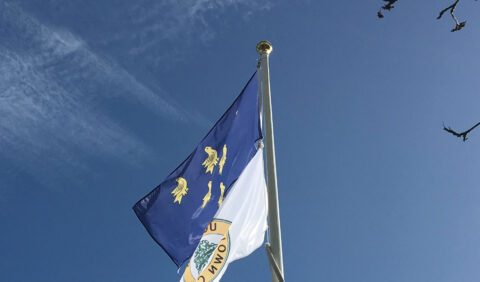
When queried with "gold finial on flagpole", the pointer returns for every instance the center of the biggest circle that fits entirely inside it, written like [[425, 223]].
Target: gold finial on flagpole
[[264, 47]]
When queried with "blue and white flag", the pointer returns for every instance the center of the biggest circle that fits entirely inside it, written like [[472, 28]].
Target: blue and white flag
[[238, 228], [178, 211]]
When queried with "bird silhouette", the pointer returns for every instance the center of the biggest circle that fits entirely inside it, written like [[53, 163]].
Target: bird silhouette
[[386, 7], [458, 25], [389, 4]]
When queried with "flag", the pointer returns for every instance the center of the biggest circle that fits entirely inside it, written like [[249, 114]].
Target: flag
[[237, 229], [177, 212]]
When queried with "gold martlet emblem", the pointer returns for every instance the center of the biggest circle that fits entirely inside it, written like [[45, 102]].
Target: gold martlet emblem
[[211, 160], [181, 190], [208, 195]]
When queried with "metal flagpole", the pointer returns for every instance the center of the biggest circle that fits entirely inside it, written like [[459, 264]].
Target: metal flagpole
[[274, 247]]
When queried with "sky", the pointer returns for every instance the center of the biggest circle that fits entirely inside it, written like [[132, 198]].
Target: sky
[[101, 100]]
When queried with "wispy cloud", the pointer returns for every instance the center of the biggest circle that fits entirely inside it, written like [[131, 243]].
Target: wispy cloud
[[190, 21], [42, 123], [172, 18], [51, 88], [53, 84]]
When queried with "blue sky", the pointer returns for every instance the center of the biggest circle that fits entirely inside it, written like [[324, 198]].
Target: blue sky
[[100, 100]]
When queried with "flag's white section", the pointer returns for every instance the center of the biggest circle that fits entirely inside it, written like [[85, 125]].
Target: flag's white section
[[246, 208]]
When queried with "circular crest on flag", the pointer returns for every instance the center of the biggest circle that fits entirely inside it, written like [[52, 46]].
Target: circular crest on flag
[[211, 253]]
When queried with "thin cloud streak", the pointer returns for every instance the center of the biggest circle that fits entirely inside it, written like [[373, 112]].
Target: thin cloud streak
[[49, 98], [156, 22], [50, 107], [41, 122]]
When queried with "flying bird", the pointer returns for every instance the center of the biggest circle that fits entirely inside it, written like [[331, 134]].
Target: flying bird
[[458, 25], [386, 7], [460, 134], [389, 4]]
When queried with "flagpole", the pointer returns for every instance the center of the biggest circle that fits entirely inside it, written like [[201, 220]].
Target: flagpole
[[274, 247]]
